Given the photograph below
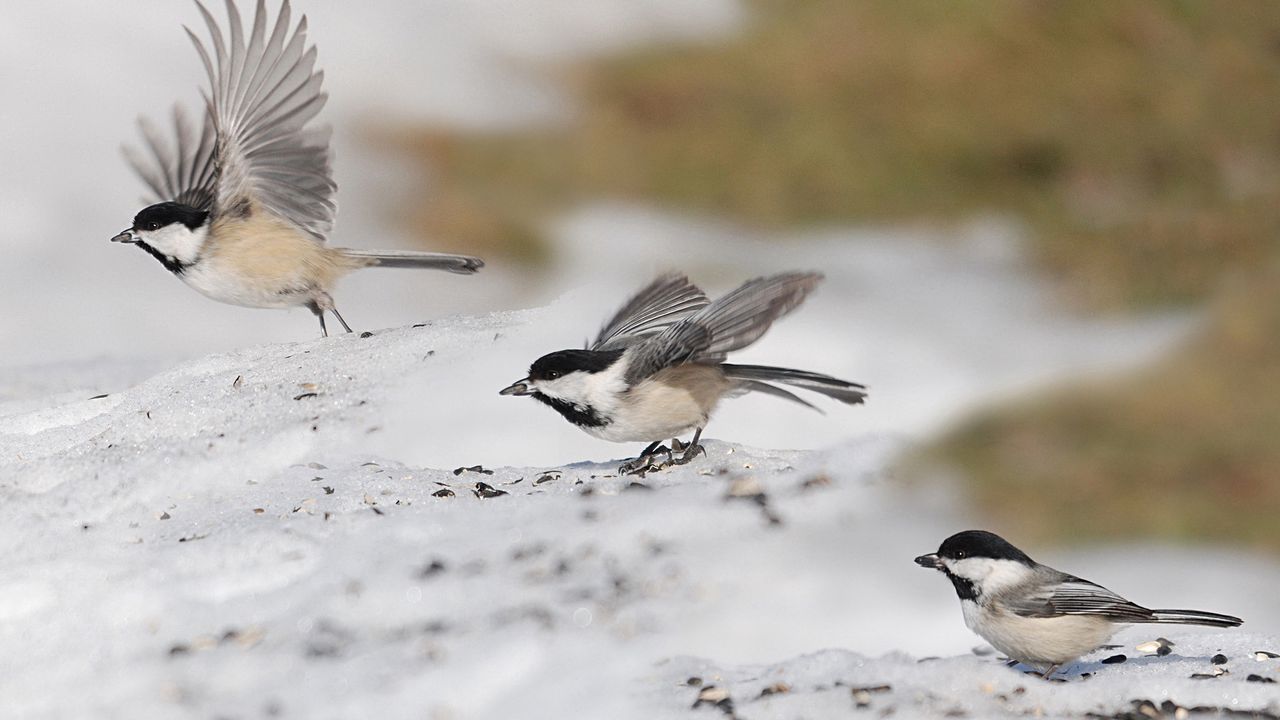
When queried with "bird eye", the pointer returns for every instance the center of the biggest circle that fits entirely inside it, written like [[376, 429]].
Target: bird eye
[[553, 374], [960, 554], [153, 225]]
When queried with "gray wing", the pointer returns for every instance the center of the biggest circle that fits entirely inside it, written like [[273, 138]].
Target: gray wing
[[1075, 596], [264, 91], [730, 323], [666, 300], [182, 171]]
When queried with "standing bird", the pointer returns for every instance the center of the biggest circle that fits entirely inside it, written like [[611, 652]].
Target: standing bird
[[248, 200], [657, 368], [1034, 614]]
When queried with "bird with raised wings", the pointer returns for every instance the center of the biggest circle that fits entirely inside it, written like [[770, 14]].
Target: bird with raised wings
[[244, 199], [657, 369]]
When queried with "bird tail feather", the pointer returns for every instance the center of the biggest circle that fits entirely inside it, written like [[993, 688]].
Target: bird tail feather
[[758, 377], [461, 264], [1195, 617]]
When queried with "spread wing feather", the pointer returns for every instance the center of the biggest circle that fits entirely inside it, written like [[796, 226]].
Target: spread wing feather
[[668, 299], [255, 148], [730, 323], [182, 171]]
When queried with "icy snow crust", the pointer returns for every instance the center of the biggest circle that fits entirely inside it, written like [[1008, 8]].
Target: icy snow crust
[[216, 541]]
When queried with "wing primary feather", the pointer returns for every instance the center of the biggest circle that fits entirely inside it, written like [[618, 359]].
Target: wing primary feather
[[255, 145], [666, 300], [236, 53], [730, 323]]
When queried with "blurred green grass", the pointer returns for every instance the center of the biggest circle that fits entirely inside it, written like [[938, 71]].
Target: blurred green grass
[[1140, 141], [1185, 450]]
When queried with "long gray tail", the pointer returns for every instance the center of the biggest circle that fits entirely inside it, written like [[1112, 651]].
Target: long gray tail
[[461, 264], [1195, 617], [756, 378]]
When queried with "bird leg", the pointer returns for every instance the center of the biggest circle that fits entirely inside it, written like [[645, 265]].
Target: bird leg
[[345, 326], [319, 303], [1052, 669], [690, 451], [314, 307], [644, 463]]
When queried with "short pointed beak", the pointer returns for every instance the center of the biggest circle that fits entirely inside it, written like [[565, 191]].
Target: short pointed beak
[[930, 561], [519, 387], [125, 236]]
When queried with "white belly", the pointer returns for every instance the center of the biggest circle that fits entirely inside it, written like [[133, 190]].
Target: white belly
[[1038, 641], [223, 284], [651, 412]]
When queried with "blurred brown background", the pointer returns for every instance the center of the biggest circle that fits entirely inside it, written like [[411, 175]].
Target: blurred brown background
[[1139, 142]]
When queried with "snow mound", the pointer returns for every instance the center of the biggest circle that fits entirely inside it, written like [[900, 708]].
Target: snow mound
[[833, 683], [222, 540]]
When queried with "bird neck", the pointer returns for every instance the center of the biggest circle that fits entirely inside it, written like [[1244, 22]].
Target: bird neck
[[580, 415]]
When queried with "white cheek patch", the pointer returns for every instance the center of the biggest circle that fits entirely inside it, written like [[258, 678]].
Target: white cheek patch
[[989, 575], [176, 241], [596, 390], [571, 387]]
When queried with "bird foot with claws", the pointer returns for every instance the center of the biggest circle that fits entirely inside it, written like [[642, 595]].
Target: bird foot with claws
[[647, 462], [690, 451]]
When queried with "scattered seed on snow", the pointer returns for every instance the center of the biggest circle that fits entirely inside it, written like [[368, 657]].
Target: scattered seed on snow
[[1218, 659], [817, 481], [485, 490], [474, 468], [1114, 660], [1264, 655], [777, 688], [745, 487], [711, 695], [442, 493], [431, 569], [1159, 646]]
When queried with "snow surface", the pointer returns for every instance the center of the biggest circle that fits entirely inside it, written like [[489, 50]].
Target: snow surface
[[192, 546], [217, 541]]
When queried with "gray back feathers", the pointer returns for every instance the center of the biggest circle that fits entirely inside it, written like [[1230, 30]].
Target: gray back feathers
[[254, 146], [730, 323]]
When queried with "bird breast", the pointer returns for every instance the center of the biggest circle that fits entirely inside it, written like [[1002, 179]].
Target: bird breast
[[671, 402], [261, 261]]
